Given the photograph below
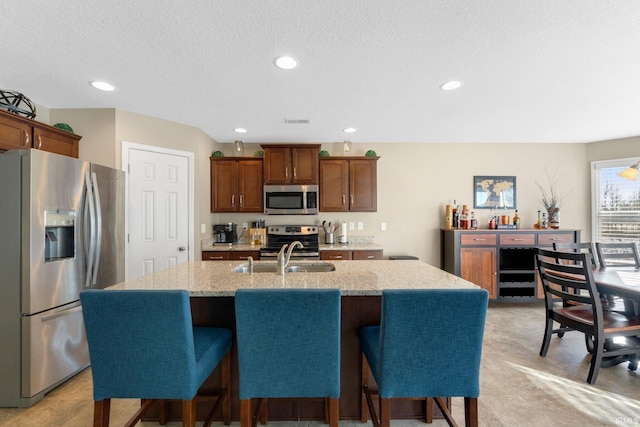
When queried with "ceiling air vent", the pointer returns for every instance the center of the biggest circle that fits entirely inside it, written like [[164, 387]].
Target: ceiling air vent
[[296, 121]]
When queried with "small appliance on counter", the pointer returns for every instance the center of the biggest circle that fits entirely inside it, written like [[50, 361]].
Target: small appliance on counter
[[258, 233], [225, 233]]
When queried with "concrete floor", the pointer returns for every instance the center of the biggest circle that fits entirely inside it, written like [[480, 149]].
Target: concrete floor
[[518, 387]]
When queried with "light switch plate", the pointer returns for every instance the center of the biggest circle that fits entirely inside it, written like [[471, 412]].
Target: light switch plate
[[352, 226], [203, 228], [360, 225], [383, 226]]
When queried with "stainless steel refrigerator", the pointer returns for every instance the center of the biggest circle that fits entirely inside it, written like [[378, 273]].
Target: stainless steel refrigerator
[[61, 231]]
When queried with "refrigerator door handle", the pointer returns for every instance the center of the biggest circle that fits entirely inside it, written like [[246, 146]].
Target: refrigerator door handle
[[92, 230], [61, 313], [98, 239]]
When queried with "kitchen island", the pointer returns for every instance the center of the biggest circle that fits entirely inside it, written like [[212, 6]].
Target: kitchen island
[[212, 287]]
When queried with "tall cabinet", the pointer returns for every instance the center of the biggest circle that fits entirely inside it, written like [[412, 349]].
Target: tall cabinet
[[500, 261], [20, 132]]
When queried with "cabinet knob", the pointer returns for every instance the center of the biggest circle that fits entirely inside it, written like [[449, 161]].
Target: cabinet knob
[[352, 199], [286, 172], [294, 172], [344, 200], [27, 140], [233, 200], [39, 142], [241, 201]]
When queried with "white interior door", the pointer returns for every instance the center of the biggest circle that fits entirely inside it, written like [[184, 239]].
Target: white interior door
[[159, 210]]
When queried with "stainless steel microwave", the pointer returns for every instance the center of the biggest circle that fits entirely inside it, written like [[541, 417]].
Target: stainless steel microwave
[[291, 199]]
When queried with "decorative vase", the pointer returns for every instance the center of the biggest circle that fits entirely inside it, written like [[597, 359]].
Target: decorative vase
[[554, 218]]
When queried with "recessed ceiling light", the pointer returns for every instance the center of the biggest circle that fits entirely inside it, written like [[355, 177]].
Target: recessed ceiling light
[[286, 62], [451, 85], [349, 130], [240, 130], [103, 86]]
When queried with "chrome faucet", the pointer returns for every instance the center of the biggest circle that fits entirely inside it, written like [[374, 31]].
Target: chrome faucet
[[283, 260], [250, 260]]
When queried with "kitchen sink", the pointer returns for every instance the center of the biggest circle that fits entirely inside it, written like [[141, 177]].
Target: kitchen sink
[[258, 267]]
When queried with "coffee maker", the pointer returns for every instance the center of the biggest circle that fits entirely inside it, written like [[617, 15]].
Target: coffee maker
[[225, 233]]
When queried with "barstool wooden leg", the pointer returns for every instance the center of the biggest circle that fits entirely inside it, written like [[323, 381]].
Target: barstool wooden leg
[[225, 375], [101, 410], [385, 412], [471, 412], [334, 412], [189, 413], [364, 409], [428, 410], [245, 413]]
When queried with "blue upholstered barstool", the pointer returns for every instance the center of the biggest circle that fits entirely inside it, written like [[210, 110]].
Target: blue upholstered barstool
[[142, 344], [428, 345], [288, 347]]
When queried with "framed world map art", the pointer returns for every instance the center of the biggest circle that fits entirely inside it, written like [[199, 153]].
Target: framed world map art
[[491, 192]]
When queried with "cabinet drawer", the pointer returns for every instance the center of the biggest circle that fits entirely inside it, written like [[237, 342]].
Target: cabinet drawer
[[517, 239], [243, 255], [476, 239], [215, 256], [364, 255], [338, 255], [548, 239]]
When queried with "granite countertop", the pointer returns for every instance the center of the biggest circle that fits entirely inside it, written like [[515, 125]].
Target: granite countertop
[[354, 278]]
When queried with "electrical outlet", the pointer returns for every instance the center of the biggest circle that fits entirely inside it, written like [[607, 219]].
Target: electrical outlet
[[352, 226], [383, 226], [203, 228], [245, 225], [360, 225]]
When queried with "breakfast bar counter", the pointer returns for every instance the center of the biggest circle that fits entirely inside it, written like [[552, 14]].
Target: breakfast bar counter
[[353, 278], [212, 287]]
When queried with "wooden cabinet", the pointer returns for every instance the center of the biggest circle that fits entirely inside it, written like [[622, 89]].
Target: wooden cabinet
[[501, 261], [215, 256], [229, 255], [20, 132], [347, 255], [236, 185], [348, 184], [291, 164], [478, 265]]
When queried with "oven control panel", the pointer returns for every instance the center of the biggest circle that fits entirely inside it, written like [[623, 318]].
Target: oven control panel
[[295, 230]]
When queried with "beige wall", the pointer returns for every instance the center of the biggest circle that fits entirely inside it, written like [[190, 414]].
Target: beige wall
[[415, 181]]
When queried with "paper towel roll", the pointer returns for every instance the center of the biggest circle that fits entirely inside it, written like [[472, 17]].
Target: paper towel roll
[[343, 233]]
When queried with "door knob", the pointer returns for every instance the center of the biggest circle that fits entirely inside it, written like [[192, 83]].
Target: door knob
[[182, 249]]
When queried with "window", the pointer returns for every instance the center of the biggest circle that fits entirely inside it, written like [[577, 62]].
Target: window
[[615, 204]]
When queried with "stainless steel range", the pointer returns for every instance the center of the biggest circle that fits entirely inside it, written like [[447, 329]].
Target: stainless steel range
[[278, 235]]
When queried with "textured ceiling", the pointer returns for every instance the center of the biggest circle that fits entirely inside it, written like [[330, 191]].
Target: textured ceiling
[[532, 70]]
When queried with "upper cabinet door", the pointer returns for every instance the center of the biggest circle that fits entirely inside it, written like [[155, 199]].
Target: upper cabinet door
[[250, 191], [305, 165], [224, 185], [363, 185], [14, 134], [58, 142], [334, 185], [291, 164], [277, 165]]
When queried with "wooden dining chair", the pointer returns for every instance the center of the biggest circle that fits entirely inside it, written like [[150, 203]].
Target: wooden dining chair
[[568, 276], [618, 254], [428, 346], [143, 345], [586, 247]]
